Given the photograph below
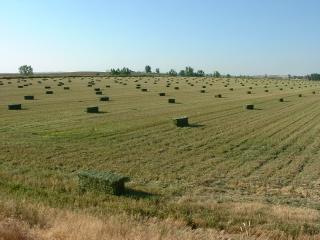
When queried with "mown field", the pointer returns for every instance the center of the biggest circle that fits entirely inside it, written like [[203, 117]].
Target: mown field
[[230, 168]]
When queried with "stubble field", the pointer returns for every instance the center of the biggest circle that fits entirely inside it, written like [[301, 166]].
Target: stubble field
[[228, 169]]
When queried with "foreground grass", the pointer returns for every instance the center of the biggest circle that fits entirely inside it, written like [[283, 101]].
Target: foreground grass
[[232, 167], [36, 222]]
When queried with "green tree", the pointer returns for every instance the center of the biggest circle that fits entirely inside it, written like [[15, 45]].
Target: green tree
[[148, 69], [189, 71], [172, 72], [216, 74], [314, 76], [182, 73], [123, 71], [200, 73], [26, 70], [157, 70]]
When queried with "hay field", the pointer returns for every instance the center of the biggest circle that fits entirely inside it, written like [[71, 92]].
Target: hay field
[[231, 166]]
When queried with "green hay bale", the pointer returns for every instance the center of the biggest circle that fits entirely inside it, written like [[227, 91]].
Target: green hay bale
[[249, 92], [14, 107], [281, 100], [97, 89], [98, 92], [108, 86], [300, 95], [203, 91], [66, 88], [176, 88], [266, 90], [20, 86], [144, 90], [47, 87], [313, 92], [249, 106], [162, 94], [171, 100], [181, 121], [218, 96], [49, 92], [29, 97], [231, 89], [107, 182], [92, 109], [104, 99]]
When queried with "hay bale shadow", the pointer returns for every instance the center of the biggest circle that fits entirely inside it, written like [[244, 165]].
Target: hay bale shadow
[[195, 125], [138, 194]]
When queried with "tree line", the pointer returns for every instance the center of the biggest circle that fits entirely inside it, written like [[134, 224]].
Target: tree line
[[188, 71], [27, 70]]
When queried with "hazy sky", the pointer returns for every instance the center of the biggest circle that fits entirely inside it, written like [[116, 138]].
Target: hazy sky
[[232, 36]]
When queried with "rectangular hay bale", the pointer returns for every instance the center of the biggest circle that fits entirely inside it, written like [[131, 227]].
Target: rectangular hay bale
[[107, 182]]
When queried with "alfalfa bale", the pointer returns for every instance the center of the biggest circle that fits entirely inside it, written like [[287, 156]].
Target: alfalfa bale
[[300, 95], [49, 92], [93, 109], [181, 121], [203, 91], [107, 182], [14, 107], [162, 94], [176, 88], [249, 92], [66, 88], [104, 99], [281, 100], [218, 96], [29, 97], [98, 92], [144, 90], [47, 87], [249, 106], [20, 86], [171, 100]]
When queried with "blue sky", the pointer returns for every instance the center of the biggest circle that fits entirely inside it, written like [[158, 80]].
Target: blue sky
[[231, 36]]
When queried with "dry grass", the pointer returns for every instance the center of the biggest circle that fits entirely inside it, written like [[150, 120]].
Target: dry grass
[[65, 225]]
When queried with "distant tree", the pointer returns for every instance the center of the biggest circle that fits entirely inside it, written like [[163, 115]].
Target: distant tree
[[216, 74], [172, 72], [26, 70], [182, 73], [200, 73], [157, 70], [123, 71], [228, 76], [189, 71], [148, 69], [314, 77]]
